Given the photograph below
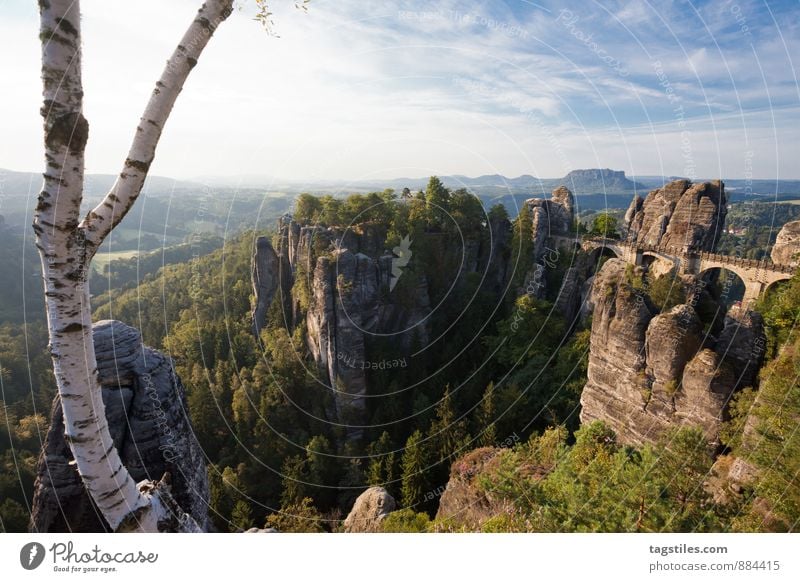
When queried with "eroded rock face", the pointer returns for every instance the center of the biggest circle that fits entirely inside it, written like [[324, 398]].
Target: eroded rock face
[[464, 505], [650, 372], [343, 281], [681, 215], [786, 250], [147, 415], [552, 225], [266, 278], [369, 510]]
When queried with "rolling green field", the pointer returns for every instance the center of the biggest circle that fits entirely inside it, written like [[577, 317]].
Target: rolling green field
[[101, 259]]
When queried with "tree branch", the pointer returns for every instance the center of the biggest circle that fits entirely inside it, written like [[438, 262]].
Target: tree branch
[[99, 222]]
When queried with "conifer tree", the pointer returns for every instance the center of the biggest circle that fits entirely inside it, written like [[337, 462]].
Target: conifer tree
[[414, 465]]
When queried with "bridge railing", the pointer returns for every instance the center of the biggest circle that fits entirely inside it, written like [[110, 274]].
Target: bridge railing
[[682, 252]]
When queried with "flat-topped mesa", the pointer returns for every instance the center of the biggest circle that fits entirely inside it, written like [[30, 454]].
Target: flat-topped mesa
[[681, 215], [649, 372], [146, 409]]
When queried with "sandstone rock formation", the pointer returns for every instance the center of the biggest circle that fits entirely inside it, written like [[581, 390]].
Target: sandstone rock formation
[[649, 372], [369, 510], [552, 217], [463, 505], [552, 228], [339, 280], [147, 416], [681, 215], [786, 250], [266, 278]]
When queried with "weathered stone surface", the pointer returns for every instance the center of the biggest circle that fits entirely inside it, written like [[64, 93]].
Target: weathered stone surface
[[340, 283], [369, 510], [266, 278], [648, 373], [147, 413], [463, 505], [553, 217], [681, 215], [742, 344], [552, 226], [672, 340], [786, 250], [617, 388]]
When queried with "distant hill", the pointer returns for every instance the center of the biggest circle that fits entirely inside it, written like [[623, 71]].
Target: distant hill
[[96, 184], [581, 182]]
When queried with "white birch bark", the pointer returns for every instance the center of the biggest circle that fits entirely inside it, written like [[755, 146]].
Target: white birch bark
[[66, 246]]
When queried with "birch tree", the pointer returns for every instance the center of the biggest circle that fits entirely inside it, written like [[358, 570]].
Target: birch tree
[[67, 242]]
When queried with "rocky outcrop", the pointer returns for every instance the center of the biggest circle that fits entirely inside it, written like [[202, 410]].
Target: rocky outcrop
[[266, 277], [369, 510], [340, 283], [681, 215], [786, 250], [552, 217], [360, 296], [147, 415], [552, 227], [464, 506], [649, 372]]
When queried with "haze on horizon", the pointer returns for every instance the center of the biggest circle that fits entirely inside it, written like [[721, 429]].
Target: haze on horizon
[[356, 90]]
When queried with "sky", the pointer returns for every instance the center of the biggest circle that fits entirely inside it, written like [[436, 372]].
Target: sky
[[360, 89]]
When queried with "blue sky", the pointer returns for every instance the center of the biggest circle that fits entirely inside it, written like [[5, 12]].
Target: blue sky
[[355, 89]]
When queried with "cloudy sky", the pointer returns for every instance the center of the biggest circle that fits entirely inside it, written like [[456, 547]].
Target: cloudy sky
[[355, 89]]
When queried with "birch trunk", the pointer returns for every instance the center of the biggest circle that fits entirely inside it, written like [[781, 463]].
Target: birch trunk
[[66, 246]]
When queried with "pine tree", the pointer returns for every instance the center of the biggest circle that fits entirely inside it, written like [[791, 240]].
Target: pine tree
[[241, 516], [380, 471], [294, 480], [446, 434], [414, 465], [486, 418], [521, 245], [437, 200]]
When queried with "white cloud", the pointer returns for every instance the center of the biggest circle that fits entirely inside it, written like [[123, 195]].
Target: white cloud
[[364, 88]]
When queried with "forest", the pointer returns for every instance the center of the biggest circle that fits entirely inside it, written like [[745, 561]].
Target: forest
[[505, 379]]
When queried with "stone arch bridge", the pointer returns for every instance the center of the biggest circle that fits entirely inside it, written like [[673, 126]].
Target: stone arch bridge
[[757, 276]]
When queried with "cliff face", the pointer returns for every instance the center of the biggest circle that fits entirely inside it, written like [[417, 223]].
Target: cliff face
[[146, 410], [266, 278], [649, 372], [682, 215], [552, 226], [356, 294], [344, 284], [786, 250], [463, 505]]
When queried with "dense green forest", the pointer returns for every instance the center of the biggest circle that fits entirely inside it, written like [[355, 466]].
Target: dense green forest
[[509, 371]]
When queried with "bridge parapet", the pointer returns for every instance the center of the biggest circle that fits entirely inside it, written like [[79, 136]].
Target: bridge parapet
[[757, 274]]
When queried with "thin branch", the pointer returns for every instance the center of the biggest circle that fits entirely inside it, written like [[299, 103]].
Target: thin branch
[[100, 221]]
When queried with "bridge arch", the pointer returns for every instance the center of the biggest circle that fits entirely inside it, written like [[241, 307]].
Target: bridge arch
[[732, 286], [599, 251], [776, 285], [658, 264]]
